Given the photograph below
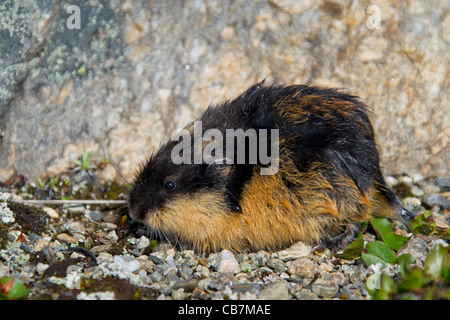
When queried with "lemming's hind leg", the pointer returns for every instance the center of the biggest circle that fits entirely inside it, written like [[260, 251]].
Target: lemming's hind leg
[[335, 244]]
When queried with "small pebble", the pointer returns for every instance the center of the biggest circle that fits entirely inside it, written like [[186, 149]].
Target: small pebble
[[296, 251], [302, 267], [127, 263], [142, 243], [412, 201], [436, 200], [226, 263], [391, 181], [275, 291], [50, 212], [443, 183], [66, 238]]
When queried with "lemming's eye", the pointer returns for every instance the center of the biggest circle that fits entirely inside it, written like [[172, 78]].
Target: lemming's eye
[[170, 185]]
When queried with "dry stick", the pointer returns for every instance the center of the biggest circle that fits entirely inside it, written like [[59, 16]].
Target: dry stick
[[50, 202]]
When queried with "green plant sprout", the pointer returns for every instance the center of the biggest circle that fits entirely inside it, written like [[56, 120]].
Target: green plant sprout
[[41, 183], [53, 182], [84, 163]]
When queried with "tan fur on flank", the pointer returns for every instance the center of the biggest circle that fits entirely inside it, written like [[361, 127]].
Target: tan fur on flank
[[272, 215]]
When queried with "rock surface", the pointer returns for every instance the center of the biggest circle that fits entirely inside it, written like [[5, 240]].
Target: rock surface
[[136, 70]]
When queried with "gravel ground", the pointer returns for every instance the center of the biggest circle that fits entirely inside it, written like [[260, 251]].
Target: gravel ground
[[82, 252]]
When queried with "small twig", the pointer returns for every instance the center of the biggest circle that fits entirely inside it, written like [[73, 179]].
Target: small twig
[[55, 202]]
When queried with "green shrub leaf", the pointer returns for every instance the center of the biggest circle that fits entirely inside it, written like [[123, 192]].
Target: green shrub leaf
[[436, 261], [379, 252], [385, 231], [354, 249], [405, 260], [12, 289]]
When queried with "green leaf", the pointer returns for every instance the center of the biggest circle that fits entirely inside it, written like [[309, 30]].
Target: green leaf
[[424, 224], [379, 252], [405, 260], [413, 280], [12, 289], [435, 261], [354, 249], [82, 71], [385, 231]]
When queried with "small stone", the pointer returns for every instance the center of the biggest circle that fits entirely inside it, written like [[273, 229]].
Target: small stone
[[66, 238], [50, 212], [6, 215], [412, 201], [302, 267], [105, 257], [155, 258], [443, 183], [245, 267], [275, 291], [94, 216], [276, 264], [204, 272], [4, 271], [103, 295], [77, 226], [187, 285], [248, 287], [127, 263], [324, 289], [142, 243], [324, 267], [328, 284], [108, 226], [226, 263], [112, 235], [436, 200], [145, 263], [298, 250], [391, 181], [417, 192], [178, 294], [417, 248], [417, 177], [40, 244], [358, 275], [13, 235], [306, 295], [200, 294], [76, 255], [157, 277], [41, 267], [260, 258], [101, 248], [405, 179], [428, 188]]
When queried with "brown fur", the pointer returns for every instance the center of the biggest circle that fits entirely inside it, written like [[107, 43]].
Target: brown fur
[[328, 180]]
